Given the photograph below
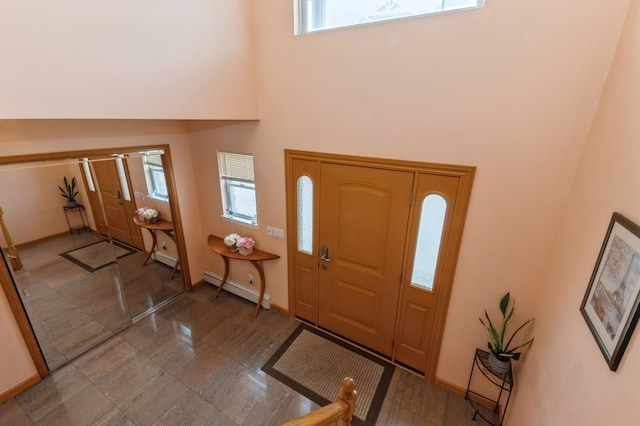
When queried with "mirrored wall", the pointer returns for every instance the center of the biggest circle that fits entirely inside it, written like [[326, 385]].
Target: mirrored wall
[[88, 267]]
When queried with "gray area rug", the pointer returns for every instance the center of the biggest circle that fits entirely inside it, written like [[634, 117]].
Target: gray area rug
[[314, 364], [97, 255]]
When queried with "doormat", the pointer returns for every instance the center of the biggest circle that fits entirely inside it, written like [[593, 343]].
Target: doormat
[[97, 255], [314, 364]]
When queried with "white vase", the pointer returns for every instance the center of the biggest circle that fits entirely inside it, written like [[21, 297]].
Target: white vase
[[497, 366], [245, 251]]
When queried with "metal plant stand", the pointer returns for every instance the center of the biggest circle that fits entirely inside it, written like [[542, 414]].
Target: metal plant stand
[[503, 381], [83, 217]]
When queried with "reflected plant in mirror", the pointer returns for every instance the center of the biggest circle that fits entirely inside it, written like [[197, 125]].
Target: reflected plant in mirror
[[69, 192]]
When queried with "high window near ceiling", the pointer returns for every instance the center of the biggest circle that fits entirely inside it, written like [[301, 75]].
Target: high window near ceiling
[[315, 15]]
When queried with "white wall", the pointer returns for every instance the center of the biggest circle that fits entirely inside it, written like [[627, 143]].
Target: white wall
[[189, 59], [566, 380]]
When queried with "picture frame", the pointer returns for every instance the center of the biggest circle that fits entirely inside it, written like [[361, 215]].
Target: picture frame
[[610, 304]]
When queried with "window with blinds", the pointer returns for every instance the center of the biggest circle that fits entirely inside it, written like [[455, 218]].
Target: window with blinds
[[154, 174], [238, 188]]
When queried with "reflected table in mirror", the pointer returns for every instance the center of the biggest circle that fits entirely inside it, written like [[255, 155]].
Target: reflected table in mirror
[[163, 226], [216, 244]]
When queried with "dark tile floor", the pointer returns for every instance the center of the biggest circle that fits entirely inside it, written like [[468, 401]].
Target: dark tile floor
[[197, 361]]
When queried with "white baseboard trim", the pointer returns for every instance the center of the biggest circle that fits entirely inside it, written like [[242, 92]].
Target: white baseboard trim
[[163, 258], [233, 287]]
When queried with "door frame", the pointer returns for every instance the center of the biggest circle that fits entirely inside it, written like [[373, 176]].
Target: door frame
[[465, 174]]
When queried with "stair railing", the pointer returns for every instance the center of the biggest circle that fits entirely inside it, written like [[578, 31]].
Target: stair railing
[[336, 413]]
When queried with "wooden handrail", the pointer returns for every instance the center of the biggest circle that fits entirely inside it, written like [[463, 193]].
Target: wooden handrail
[[336, 413], [11, 250]]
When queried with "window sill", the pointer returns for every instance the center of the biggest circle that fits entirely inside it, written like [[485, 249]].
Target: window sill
[[239, 222], [158, 199]]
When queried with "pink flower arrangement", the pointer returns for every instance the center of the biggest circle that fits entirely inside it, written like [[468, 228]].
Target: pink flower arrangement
[[246, 242]]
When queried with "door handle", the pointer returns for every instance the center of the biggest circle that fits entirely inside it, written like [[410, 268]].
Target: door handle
[[117, 194], [324, 254]]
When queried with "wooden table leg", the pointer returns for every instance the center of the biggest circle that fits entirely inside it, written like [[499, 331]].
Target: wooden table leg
[[175, 268], [171, 234], [224, 278], [154, 244], [262, 285]]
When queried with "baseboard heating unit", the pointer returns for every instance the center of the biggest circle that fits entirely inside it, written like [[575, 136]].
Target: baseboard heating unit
[[234, 288], [163, 258]]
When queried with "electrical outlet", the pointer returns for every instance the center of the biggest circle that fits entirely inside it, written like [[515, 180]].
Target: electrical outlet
[[250, 279], [269, 231]]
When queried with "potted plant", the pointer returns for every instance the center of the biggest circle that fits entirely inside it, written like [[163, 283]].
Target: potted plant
[[69, 192], [501, 353]]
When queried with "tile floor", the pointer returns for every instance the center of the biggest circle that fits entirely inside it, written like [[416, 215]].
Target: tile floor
[[72, 309], [197, 361]]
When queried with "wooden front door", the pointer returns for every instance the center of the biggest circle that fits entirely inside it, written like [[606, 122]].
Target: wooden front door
[[118, 210], [353, 225], [363, 223]]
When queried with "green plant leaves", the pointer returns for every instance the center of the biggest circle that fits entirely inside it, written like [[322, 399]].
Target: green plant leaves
[[504, 302], [69, 191], [496, 340], [494, 337]]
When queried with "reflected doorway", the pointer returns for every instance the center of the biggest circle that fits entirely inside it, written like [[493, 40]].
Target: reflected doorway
[[113, 193]]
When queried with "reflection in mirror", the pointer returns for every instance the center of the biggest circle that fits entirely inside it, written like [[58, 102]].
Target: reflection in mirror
[[88, 270], [150, 277]]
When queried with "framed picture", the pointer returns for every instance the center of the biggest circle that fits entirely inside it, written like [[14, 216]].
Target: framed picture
[[610, 305]]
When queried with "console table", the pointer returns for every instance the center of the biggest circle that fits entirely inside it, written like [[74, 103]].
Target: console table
[[216, 244], [163, 226]]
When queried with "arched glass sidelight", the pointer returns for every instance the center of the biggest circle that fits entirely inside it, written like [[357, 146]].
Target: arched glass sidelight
[[434, 208], [305, 214]]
